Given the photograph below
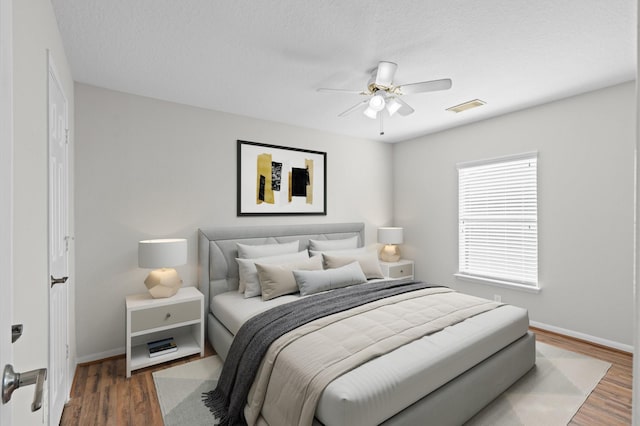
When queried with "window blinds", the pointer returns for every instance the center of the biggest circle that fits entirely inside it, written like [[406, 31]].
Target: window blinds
[[498, 229]]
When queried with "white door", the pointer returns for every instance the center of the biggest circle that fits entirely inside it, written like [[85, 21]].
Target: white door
[[58, 248], [6, 196]]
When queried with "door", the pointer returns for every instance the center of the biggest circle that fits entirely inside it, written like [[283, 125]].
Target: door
[[6, 195], [58, 247]]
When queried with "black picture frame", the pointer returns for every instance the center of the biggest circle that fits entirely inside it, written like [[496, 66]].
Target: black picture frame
[[276, 180]]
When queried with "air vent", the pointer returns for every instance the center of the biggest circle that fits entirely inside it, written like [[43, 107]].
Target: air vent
[[466, 105]]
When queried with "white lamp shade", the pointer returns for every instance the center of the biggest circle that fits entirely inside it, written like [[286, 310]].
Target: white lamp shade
[[390, 235], [370, 113], [162, 253], [393, 106], [377, 102]]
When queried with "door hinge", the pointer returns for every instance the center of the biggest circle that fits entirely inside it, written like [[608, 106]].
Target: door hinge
[[67, 351], [67, 240], [66, 136]]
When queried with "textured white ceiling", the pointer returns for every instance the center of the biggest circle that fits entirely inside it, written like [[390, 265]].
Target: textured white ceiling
[[264, 59]]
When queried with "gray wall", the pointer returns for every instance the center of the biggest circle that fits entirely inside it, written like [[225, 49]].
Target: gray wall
[[585, 200], [149, 169]]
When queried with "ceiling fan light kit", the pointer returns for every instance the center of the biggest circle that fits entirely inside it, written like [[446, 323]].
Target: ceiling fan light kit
[[383, 93]]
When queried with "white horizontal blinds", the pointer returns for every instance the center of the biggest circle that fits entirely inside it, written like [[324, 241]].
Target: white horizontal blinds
[[498, 235]]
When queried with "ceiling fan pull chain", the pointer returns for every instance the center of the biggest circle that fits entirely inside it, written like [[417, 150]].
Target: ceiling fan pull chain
[[381, 127]]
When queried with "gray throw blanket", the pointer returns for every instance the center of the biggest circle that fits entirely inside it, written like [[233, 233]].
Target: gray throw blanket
[[227, 400]]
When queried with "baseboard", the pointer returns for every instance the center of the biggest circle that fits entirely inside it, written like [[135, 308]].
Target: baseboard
[[100, 356], [586, 337]]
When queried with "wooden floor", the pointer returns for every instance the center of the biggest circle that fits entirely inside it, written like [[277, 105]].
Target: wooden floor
[[101, 395], [610, 402]]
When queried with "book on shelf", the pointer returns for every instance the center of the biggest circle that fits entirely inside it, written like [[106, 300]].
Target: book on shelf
[[161, 347], [160, 342], [163, 351]]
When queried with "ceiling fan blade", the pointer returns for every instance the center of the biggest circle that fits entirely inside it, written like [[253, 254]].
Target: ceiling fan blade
[[426, 86], [353, 108], [405, 109], [385, 72], [357, 92]]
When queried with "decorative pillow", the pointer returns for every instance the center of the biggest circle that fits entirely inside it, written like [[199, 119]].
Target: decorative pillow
[[277, 280], [248, 274], [359, 250], [325, 245], [310, 282], [246, 251], [368, 262]]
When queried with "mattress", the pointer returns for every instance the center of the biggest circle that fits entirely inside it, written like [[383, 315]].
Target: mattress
[[386, 385], [232, 309]]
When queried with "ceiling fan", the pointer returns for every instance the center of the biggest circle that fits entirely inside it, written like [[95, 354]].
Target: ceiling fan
[[383, 94]]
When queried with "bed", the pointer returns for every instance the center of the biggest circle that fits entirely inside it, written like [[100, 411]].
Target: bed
[[442, 378]]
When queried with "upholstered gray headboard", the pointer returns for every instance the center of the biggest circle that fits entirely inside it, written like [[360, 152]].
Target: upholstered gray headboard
[[217, 252]]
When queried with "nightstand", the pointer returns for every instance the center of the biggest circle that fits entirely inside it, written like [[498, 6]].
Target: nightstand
[[400, 269], [148, 319]]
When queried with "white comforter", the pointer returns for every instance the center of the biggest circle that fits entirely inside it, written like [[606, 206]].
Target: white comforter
[[300, 364]]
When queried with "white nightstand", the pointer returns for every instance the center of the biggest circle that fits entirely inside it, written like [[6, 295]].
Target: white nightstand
[[400, 269], [148, 319]]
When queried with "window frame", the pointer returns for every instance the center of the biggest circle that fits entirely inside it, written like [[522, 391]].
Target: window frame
[[524, 215]]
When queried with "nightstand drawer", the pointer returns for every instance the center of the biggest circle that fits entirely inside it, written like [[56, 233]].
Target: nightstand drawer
[[401, 270], [161, 316]]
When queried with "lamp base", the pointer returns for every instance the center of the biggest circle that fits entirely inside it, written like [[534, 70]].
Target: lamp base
[[163, 282], [390, 253]]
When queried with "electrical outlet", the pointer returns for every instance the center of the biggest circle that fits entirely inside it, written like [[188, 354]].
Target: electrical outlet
[[497, 298]]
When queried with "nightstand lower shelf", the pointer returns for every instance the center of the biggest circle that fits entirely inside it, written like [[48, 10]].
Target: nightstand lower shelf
[[187, 345]]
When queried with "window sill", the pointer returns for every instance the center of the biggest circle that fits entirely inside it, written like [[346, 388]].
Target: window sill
[[498, 283]]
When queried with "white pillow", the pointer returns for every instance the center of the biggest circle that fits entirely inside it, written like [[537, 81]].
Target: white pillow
[[368, 262], [278, 280], [246, 251], [359, 250], [248, 274], [310, 282], [324, 245]]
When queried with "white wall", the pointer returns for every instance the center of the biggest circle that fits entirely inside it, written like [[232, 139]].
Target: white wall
[[148, 168], [585, 207], [35, 31]]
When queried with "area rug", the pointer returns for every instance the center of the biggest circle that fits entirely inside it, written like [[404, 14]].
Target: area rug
[[550, 394], [180, 390]]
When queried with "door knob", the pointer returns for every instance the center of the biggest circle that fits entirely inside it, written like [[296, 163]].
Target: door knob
[[55, 281], [12, 381]]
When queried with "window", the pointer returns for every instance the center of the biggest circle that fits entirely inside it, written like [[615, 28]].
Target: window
[[498, 221]]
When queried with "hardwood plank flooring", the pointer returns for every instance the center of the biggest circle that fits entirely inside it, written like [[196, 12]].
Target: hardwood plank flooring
[[610, 402], [102, 396]]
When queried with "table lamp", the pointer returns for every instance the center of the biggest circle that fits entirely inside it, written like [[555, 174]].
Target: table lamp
[[162, 255], [390, 237]]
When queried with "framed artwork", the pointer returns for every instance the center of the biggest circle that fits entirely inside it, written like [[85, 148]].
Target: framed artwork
[[279, 180]]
